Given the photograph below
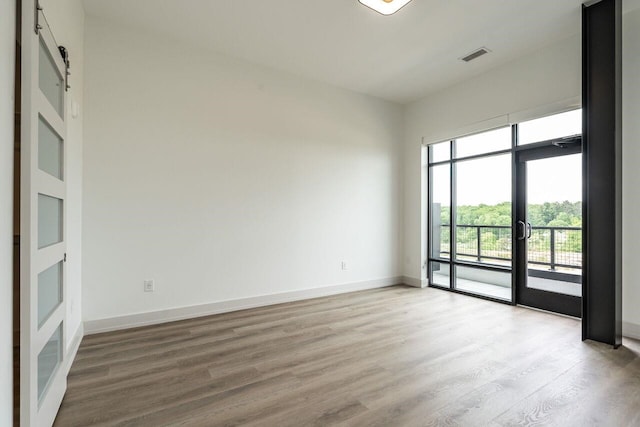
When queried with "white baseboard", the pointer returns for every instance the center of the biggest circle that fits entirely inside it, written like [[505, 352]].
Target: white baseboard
[[181, 313], [631, 330], [415, 282], [73, 348]]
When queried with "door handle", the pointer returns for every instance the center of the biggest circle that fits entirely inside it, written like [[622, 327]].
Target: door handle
[[521, 226], [529, 228]]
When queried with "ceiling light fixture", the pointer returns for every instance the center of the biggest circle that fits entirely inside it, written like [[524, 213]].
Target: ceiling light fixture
[[385, 7]]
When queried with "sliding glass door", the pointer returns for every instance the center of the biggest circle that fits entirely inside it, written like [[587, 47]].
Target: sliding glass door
[[549, 216], [505, 214]]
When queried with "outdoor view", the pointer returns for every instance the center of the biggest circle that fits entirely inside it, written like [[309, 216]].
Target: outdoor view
[[484, 234]]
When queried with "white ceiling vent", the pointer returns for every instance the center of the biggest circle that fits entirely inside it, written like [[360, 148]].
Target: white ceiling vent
[[475, 54]]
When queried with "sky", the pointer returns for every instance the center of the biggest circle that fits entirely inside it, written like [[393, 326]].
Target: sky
[[488, 180]]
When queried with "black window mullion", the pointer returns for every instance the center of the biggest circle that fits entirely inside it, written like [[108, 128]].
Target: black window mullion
[[453, 202], [514, 210], [429, 216]]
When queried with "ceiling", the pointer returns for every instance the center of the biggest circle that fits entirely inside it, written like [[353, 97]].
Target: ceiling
[[400, 58]]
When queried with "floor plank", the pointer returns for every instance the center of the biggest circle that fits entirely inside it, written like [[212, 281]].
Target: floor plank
[[396, 356]]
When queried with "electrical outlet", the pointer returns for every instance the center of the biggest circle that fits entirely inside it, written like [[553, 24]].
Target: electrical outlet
[[344, 265], [149, 286]]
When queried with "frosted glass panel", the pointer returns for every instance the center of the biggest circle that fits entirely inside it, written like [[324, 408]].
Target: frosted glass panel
[[50, 150], [49, 291], [49, 360], [50, 81], [49, 220]]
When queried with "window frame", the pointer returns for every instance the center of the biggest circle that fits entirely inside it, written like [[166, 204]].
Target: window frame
[[453, 160], [453, 262]]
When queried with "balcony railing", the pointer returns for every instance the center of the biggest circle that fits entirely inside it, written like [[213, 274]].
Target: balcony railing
[[552, 247]]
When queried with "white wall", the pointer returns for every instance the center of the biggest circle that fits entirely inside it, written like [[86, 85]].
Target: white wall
[[631, 173], [549, 78], [66, 18], [224, 180], [7, 61]]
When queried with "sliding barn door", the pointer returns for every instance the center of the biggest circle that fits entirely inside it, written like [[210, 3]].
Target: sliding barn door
[[43, 213]]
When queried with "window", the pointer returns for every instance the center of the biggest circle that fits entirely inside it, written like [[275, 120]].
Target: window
[[470, 205], [471, 208], [550, 127]]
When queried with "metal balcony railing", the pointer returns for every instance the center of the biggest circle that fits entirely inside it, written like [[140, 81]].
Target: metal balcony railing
[[553, 247]]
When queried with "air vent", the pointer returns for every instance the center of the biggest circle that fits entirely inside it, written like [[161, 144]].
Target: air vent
[[475, 54]]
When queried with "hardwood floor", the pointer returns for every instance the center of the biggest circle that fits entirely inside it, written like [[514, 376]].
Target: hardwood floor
[[397, 356]]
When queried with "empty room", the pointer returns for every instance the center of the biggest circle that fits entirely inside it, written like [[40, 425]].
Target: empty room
[[319, 213]]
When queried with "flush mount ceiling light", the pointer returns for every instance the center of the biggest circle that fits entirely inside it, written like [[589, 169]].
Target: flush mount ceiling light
[[385, 7]]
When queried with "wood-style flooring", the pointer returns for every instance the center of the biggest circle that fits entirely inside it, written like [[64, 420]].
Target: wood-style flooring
[[396, 356]]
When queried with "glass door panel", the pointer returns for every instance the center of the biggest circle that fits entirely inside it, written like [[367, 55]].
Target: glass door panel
[[49, 291], [49, 360], [50, 79], [50, 220], [554, 216], [549, 229], [50, 150]]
